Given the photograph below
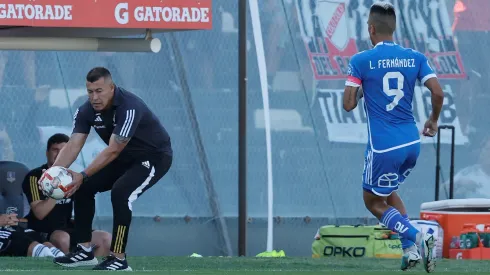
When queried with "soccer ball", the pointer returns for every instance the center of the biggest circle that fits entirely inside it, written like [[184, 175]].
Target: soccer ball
[[54, 182]]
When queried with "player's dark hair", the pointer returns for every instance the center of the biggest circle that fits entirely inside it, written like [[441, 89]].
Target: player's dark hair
[[57, 139], [382, 15], [98, 73]]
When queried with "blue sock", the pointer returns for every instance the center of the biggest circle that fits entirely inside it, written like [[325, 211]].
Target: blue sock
[[406, 243], [396, 223]]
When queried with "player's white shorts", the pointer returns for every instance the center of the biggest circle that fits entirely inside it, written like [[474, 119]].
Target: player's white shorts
[[383, 172]]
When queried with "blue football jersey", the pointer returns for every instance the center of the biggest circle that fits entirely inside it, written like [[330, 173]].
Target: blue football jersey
[[388, 74]]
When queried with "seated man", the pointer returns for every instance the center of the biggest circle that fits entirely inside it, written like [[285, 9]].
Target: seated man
[[51, 217], [19, 243]]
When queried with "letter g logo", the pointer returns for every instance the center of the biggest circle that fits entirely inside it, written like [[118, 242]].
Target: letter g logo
[[121, 13]]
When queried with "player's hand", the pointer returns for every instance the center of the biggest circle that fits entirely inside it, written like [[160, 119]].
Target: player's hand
[[8, 220], [77, 180], [430, 128]]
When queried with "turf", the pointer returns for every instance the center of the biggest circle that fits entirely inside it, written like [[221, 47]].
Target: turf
[[242, 266]]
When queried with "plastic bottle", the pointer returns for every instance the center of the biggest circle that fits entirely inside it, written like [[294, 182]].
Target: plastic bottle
[[469, 237], [485, 236], [462, 240]]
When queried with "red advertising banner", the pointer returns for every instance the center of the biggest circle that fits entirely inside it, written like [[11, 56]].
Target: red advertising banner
[[134, 14]]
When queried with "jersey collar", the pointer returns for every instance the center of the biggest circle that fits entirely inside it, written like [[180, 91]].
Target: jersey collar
[[387, 43], [117, 96]]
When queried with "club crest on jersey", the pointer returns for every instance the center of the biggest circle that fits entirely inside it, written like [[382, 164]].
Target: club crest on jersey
[[349, 71]]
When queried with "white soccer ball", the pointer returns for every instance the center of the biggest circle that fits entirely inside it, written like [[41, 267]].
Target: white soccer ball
[[54, 182]]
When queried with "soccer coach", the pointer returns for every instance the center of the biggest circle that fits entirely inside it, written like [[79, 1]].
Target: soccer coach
[[138, 154]]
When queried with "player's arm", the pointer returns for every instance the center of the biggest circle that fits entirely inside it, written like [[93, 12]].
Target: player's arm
[[429, 79], [70, 151], [351, 97], [81, 129], [40, 204], [127, 120], [437, 97], [352, 90]]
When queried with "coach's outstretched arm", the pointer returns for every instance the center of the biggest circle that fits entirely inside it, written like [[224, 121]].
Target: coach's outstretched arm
[[437, 97], [81, 129], [106, 156], [70, 151], [110, 153]]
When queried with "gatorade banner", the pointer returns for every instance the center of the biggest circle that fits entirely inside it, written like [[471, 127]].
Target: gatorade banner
[[335, 30], [351, 127], [141, 14]]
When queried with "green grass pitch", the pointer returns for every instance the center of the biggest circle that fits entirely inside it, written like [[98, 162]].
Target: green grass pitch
[[245, 265]]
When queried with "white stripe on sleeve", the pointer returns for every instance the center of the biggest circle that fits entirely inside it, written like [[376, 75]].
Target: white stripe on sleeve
[[126, 128], [427, 77], [76, 114]]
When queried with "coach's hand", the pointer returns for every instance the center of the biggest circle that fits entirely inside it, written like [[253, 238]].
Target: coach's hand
[[77, 180], [39, 185]]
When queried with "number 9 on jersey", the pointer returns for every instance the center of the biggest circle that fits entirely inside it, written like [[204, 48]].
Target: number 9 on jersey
[[397, 92]]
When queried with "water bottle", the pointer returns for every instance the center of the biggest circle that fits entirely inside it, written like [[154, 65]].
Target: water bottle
[[471, 240], [462, 241], [469, 236], [485, 236]]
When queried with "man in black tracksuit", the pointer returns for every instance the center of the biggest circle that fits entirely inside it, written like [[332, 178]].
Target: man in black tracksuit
[[138, 155]]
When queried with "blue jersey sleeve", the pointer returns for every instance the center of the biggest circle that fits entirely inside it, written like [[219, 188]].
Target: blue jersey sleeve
[[425, 70], [354, 78]]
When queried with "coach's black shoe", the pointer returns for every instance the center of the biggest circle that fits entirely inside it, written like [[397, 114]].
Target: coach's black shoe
[[79, 257], [114, 264]]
